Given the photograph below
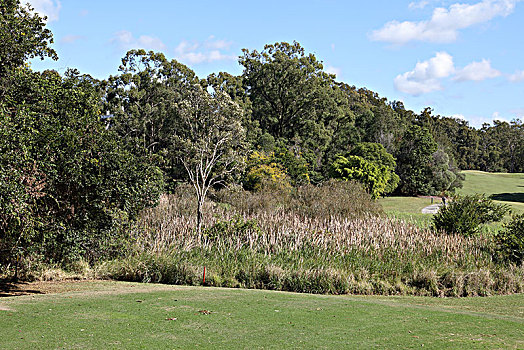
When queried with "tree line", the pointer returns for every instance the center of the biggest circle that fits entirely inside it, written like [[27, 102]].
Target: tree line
[[81, 157]]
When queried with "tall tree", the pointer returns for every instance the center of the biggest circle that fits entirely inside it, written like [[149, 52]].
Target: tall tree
[[143, 103], [23, 35], [293, 99], [209, 141]]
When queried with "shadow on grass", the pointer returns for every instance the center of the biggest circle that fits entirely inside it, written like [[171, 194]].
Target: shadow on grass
[[9, 288], [509, 197]]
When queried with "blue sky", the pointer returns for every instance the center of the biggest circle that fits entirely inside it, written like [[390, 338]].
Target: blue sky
[[463, 59]]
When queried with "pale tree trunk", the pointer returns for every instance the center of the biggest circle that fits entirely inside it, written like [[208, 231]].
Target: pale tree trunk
[[201, 199]]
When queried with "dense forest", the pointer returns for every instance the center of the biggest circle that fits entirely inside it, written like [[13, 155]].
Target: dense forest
[[81, 157]]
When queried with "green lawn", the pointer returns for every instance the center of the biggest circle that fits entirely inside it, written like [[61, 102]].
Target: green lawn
[[504, 187], [408, 205], [117, 315], [408, 209]]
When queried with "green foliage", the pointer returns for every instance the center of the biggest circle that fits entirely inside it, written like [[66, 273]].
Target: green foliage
[[77, 185], [465, 214], [296, 165], [261, 171], [295, 101], [510, 241], [22, 36], [413, 161], [377, 154], [143, 101], [374, 178]]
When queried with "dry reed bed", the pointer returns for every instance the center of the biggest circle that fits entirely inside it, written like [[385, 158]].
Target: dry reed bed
[[289, 247], [169, 227]]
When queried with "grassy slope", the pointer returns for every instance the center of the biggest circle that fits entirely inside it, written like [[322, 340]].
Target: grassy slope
[[408, 209], [133, 316], [505, 188]]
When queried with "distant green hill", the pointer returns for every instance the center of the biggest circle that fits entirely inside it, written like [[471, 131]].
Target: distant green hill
[[503, 187]]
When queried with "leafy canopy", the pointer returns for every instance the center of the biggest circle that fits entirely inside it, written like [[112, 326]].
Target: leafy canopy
[[22, 36]]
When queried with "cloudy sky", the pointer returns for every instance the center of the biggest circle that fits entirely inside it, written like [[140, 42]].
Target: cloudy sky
[[463, 59]]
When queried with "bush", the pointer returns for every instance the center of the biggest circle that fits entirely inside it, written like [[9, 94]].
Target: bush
[[464, 214], [331, 198], [510, 241], [373, 177]]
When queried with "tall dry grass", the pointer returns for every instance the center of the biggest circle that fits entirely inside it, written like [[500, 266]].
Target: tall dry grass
[[312, 240]]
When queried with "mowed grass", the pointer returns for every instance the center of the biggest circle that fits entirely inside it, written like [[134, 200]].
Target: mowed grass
[[118, 315], [503, 187], [408, 209]]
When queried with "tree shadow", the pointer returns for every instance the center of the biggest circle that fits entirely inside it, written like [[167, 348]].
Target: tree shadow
[[509, 197], [9, 288]]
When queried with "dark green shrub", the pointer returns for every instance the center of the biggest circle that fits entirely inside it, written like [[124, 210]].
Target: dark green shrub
[[464, 214], [510, 241], [69, 189]]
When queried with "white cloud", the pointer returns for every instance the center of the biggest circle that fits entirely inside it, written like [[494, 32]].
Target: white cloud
[[444, 23], [477, 71], [151, 43], [459, 116], [333, 70], [49, 8], [518, 76], [213, 44], [69, 39], [519, 113], [426, 75], [125, 39], [199, 52], [415, 5]]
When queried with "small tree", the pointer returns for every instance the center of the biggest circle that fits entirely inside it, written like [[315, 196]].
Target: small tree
[[377, 154], [209, 141], [374, 178], [465, 214], [510, 241]]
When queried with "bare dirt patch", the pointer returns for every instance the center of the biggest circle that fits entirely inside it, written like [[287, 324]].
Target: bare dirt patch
[[87, 287], [10, 289]]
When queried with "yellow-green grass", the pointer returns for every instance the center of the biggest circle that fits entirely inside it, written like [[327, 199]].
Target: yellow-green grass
[[116, 315], [506, 188], [408, 205], [408, 209]]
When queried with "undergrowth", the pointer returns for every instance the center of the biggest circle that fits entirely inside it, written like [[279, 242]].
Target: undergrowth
[[312, 240]]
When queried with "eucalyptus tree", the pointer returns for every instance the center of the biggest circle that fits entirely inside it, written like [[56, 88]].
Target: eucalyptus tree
[[143, 103], [293, 98], [209, 141]]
